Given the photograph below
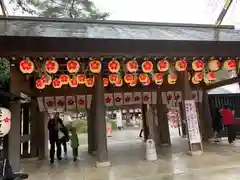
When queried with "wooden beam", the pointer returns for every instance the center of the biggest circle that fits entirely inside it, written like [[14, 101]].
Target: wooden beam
[[223, 83]]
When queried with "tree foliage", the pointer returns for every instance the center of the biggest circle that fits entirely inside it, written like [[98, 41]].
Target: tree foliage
[[4, 72], [82, 9]]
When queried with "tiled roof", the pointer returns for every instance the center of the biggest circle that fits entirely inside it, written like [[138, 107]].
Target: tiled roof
[[38, 27]]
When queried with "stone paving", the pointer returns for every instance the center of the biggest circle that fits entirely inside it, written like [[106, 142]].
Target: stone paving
[[220, 161]]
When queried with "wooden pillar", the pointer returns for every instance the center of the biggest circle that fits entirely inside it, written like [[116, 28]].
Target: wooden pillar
[[102, 152], [195, 148], [91, 128], [163, 122], [206, 117], [144, 121], [14, 137]]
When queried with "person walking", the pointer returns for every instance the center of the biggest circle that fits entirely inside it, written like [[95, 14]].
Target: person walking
[[54, 124], [228, 120], [64, 138], [74, 143], [217, 125]]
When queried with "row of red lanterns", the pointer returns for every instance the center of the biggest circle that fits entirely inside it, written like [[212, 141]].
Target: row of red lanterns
[[130, 78], [132, 66]]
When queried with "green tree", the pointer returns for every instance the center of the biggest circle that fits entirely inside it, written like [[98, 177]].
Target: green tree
[[4, 72], [82, 9]]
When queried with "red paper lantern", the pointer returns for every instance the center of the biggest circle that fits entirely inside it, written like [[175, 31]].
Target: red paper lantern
[[119, 82], [73, 83], [95, 66], [198, 65], [172, 78], [105, 82], [114, 66], [26, 66], [143, 77], [132, 66], [40, 84], [73, 66], [128, 78], [113, 78], [230, 65], [81, 78], [148, 82], [214, 65], [211, 76], [134, 82], [147, 66], [47, 80], [181, 65], [51, 66], [158, 77], [194, 81], [198, 76], [163, 65], [64, 78], [57, 83], [159, 83], [89, 82]]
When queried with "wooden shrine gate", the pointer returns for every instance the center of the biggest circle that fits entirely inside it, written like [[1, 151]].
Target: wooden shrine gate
[[219, 100]]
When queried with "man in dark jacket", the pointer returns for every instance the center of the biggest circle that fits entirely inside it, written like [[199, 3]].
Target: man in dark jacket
[[54, 124]]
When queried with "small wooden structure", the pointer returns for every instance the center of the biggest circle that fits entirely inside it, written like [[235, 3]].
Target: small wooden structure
[[35, 41]]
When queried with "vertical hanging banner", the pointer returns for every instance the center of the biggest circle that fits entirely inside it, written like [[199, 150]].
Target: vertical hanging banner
[[50, 104], [128, 98], [146, 97], [89, 100], [108, 99], [170, 98], [40, 104], [195, 96], [137, 98], [154, 97], [178, 96], [118, 99], [70, 103], [164, 98], [192, 122], [60, 103], [81, 101]]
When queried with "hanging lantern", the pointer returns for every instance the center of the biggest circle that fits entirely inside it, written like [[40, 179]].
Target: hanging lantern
[[89, 82], [105, 82], [81, 78], [198, 76], [119, 82], [95, 66], [128, 78], [73, 83], [73, 66], [163, 65], [143, 77], [158, 77], [113, 78], [51, 66], [172, 78], [194, 81], [132, 66], [148, 82], [214, 65], [230, 65], [5, 120], [134, 82], [198, 65], [114, 66], [147, 66], [26, 66], [40, 84], [64, 78], [181, 65], [56, 83], [47, 80], [211, 76], [159, 83]]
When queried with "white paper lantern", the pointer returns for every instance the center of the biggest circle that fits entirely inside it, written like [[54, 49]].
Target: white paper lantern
[[5, 121]]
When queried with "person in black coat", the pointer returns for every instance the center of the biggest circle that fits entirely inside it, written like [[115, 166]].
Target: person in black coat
[[54, 125], [64, 139], [217, 125]]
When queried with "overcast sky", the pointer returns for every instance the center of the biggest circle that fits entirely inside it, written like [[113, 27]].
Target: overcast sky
[[184, 11]]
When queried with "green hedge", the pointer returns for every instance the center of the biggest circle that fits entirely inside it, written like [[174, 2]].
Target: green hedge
[[81, 125]]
